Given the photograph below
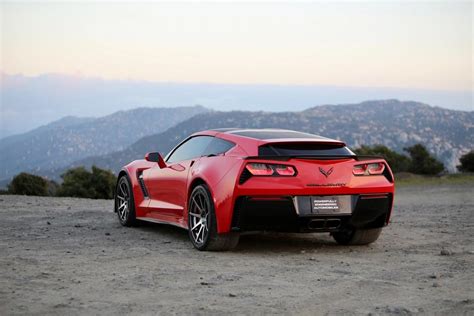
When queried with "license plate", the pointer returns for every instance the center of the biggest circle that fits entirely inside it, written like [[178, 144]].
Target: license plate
[[335, 204]]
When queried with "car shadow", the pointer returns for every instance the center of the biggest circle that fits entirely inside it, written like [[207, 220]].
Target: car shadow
[[286, 242], [257, 242], [169, 232]]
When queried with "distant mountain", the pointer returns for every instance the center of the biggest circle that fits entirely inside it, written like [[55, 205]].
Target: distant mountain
[[446, 133], [31, 101], [65, 122], [62, 142]]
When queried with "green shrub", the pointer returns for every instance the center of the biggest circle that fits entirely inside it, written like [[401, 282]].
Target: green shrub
[[467, 162], [53, 187], [103, 183], [422, 162], [28, 184], [95, 184]]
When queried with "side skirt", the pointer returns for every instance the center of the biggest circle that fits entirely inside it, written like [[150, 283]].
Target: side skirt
[[157, 221]]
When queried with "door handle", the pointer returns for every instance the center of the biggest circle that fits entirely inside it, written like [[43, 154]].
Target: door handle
[[192, 163]]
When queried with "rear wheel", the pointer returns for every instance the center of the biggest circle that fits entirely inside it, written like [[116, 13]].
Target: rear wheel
[[357, 236], [203, 225], [124, 203]]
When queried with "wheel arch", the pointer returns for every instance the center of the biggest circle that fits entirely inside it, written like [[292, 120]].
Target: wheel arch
[[194, 183]]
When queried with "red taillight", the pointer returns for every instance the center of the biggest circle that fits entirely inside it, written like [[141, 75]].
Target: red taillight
[[259, 169], [369, 169], [359, 170], [376, 168], [284, 170], [264, 169]]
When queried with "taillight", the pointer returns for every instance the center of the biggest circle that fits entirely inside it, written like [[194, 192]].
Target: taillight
[[284, 170], [260, 169], [369, 169], [376, 168], [264, 169], [359, 170]]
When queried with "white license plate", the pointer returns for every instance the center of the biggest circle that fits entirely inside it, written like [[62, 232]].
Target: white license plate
[[334, 204]]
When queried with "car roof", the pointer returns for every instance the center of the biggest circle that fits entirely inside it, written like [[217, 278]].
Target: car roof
[[251, 139]]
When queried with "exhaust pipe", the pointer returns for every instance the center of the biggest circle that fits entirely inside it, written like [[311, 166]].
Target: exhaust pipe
[[320, 224]]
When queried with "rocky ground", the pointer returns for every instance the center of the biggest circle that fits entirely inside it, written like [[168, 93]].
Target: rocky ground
[[71, 256]]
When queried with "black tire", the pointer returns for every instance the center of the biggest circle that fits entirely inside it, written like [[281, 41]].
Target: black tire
[[357, 236], [202, 223], [124, 202]]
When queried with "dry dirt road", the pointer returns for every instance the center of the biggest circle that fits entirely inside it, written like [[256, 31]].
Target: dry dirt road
[[70, 256]]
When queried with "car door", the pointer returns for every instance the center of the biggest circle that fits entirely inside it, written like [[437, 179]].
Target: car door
[[167, 187]]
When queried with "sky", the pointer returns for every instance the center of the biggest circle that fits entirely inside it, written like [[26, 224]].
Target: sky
[[414, 45], [94, 58]]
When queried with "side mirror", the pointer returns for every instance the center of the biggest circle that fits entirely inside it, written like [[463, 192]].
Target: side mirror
[[156, 157]]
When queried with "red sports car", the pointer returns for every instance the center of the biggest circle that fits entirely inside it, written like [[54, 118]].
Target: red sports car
[[219, 183]]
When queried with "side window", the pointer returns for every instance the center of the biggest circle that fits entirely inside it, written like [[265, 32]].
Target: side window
[[218, 146], [192, 148]]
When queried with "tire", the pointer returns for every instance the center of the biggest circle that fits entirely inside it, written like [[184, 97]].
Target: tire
[[202, 223], [357, 236], [124, 202]]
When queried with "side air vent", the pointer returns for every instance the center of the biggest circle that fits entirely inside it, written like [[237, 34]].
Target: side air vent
[[142, 184], [244, 176]]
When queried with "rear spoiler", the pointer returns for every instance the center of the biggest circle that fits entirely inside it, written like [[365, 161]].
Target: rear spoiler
[[316, 157]]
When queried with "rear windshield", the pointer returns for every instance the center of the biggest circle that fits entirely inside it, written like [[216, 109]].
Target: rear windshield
[[304, 149]]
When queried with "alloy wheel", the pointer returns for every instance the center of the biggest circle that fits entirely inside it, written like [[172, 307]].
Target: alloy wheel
[[123, 200], [199, 217]]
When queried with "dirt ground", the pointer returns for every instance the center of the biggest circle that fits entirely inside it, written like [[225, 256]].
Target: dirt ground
[[71, 256]]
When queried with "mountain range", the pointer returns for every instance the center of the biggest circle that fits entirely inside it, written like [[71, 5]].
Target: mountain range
[[112, 141], [62, 142], [30, 101]]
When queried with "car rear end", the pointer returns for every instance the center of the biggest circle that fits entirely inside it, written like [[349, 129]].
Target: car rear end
[[311, 186]]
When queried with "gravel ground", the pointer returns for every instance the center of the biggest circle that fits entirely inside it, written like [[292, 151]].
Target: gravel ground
[[71, 256]]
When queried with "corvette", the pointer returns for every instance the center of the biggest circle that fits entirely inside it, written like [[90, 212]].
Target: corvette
[[220, 183]]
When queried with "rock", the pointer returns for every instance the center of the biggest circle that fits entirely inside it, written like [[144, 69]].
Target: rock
[[48, 223], [435, 284], [398, 310], [446, 252], [232, 295], [107, 234]]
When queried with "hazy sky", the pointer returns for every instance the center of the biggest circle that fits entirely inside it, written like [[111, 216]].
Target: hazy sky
[[391, 44]]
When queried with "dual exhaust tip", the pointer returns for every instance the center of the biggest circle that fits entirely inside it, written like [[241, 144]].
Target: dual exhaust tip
[[324, 224]]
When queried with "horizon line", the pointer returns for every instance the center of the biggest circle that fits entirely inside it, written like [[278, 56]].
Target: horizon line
[[80, 75]]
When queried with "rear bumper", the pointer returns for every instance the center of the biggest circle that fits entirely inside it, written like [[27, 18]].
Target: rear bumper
[[289, 214]]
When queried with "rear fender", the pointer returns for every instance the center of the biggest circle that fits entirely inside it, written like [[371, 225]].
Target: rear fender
[[220, 174]]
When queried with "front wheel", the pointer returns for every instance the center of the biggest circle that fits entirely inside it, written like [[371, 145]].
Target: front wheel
[[202, 224], [124, 203], [357, 236]]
